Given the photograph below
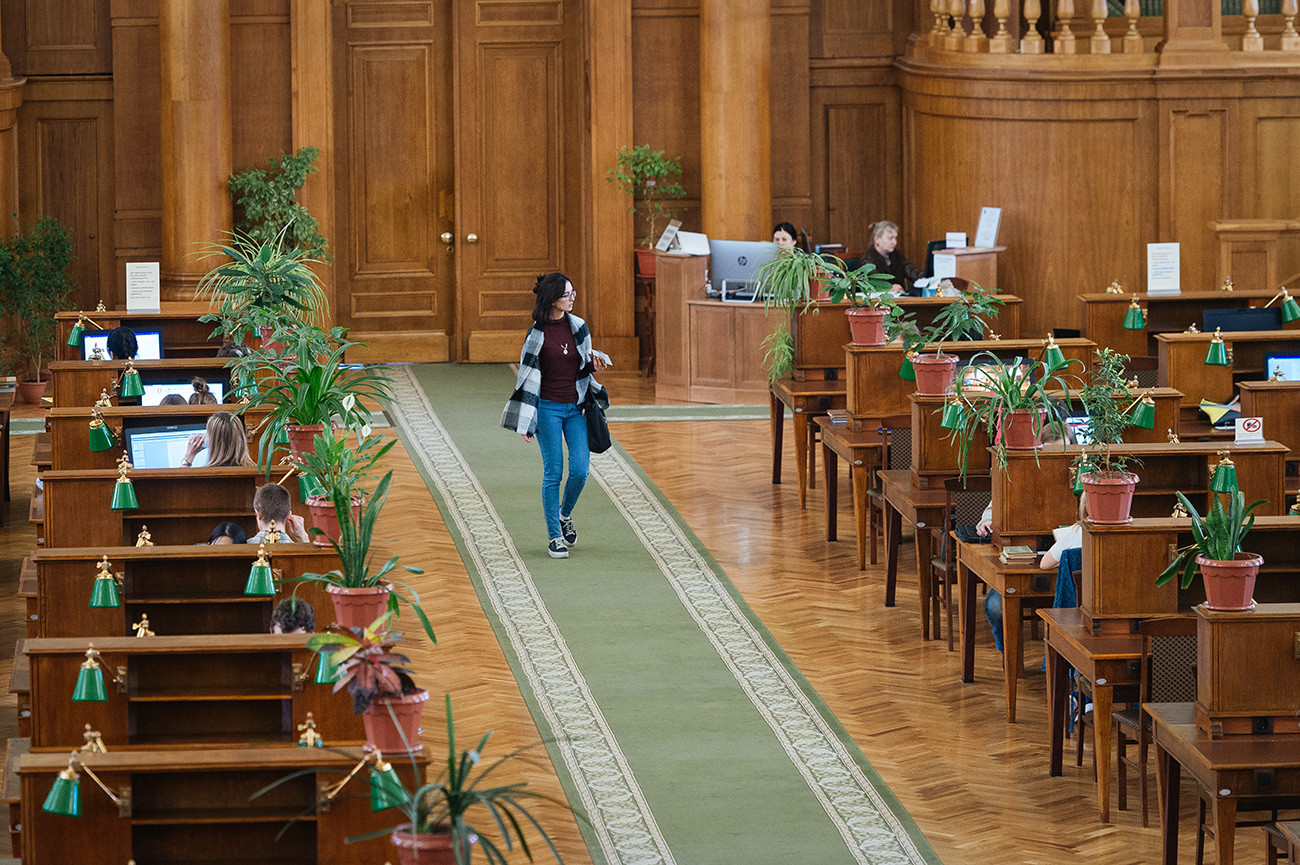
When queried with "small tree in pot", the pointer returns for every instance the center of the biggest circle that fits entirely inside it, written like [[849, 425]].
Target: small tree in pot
[[874, 316], [335, 470], [34, 286], [964, 318], [1229, 574], [648, 176], [1102, 473]]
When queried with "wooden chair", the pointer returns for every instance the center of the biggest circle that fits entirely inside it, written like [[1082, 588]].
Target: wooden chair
[[1168, 675], [965, 503], [897, 430]]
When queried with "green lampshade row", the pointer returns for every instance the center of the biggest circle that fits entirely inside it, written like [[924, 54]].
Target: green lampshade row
[[74, 338], [1134, 319], [1225, 479], [1053, 356], [124, 497], [90, 686], [1290, 310], [101, 438], [327, 672], [105, 594], [1217, 354], [952, 416], [907, 372], [65, 796]]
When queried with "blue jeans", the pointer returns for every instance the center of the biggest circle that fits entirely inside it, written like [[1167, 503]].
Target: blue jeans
[[556, 420]]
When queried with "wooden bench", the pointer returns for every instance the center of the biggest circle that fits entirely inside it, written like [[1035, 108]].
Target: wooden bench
[[70, 430], [81, 382]]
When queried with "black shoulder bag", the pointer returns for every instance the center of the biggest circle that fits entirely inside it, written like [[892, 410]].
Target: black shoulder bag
[[593, 409]]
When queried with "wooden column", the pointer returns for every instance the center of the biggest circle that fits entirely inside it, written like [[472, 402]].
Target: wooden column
[[194, 43], [11, 97], [311, 39], [735, 118]]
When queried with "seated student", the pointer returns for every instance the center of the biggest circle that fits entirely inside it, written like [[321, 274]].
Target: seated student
[[122, 344], [271, 507], [293, 616], [201, 395], [227, 533], [887, 258], [1068, 537], [225, 440], [173, 399]]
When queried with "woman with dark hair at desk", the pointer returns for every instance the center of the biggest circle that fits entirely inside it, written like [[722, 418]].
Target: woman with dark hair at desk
[[884, 254], [122, 344]]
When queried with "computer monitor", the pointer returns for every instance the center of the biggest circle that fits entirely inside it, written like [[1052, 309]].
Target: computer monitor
[[162, 446], [148, 344], [930, 249], [1241, 319], [734, 265], [1286, 364], [1078, 426], [156, 389]]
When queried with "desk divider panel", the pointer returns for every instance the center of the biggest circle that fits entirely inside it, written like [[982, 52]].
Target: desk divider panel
[[78, 382], [1103, 315], [1248, 671], [1181, 359], [183, 335], [70, 430], [935, 454]]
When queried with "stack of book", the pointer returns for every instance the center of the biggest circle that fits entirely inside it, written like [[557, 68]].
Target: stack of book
[[838, 415], [1018, 556]]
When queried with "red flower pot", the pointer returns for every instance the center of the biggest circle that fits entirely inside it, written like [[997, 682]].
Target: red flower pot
[[357, 608], [1230, 585], [302, 439], [383, 734], [1016, 430], [32, 391], [819, 289], [423, 849], [276, 348], [867, 326], [934, 373], [1110, 496], [324, 518], [645, 262]]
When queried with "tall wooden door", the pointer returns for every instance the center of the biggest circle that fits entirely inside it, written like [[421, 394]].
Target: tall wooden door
[[520, 113], [393, 181]]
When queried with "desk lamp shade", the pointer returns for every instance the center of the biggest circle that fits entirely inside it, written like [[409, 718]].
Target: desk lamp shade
[[386, 790], [105, 594], [90, 681], [1217, 354], [124, 496], [65, 796], [952, 415], [1053, 357], [261, 582], [1078, 481], [907, 372], [1144, 413], [1290, 309], [1133, 318], [78, 330], [282, 435], [101, 437], [327, 672], [132, 386], [1224, 479]]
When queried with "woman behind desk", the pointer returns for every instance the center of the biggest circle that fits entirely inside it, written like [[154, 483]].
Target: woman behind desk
[[884, 254]]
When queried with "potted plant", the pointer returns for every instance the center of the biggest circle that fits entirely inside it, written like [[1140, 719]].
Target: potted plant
[[334, 469], [784, 283], [1103, 474], [265, 200], [438, 828], [1011, 403], [261, 286], [966, 316], [33, 287], [874, 316], [1229, 574], [307, 388], [377, 678], [647, 175]]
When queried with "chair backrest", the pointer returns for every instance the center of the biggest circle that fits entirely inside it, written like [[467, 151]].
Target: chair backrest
[[898, 440], [1169, 656], [965, 503]]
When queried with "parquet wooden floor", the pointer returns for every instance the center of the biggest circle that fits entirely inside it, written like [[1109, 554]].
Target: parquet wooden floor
[[977, 786]]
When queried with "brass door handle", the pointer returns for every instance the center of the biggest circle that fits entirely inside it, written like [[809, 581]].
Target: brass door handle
[[471, 238], [447, 237]]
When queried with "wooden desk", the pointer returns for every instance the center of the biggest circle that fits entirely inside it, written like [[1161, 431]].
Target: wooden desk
[[1016, 584], [806, 399], [935, 454], [1103, 315], [1182, 366], [79, 382], [1291, 832], [1108, 661], [1250, 772], [923, 508], [1278, 403], [183, 335], [979, 264], [864, 452], [1030, 496], [70, 430]]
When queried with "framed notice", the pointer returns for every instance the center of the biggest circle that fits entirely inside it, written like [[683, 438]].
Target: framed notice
[[945, 266], [986, 235], [143, 287], [1163, 273], [667, 240]]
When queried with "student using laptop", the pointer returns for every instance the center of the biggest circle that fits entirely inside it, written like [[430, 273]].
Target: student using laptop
[[887, 258], [225, 441], [122, 344]]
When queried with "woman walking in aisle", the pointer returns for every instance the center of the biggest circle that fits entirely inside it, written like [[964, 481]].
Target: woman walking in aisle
[[556, 370]]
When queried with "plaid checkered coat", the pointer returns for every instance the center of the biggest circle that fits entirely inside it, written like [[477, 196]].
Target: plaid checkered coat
[[520, 414]]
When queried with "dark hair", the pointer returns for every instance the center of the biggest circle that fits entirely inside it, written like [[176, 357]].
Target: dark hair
[[549, 289], [201, 395], [291, 614], [228, 530], [173, 399], [234, 349], [272, 501], [787, 228], [122, 344]]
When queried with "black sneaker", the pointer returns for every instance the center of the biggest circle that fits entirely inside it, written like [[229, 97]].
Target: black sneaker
[[568, 531], [557, 549]]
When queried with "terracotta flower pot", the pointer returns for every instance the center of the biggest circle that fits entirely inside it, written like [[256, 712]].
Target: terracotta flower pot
[[383, 734], [866, 326], [32, 391], [1016, 430], [1230, 585], [645, 262], [1110, 496], [324, 518], [276, 348], [302, 439], [934, 373], [356, 608], [819, 289], [423, 849]]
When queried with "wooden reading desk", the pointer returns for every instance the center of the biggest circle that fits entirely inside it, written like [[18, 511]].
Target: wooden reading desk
[[806, 399], [1103, 315], [1181, 361], [923, 508], [862, 450], [183, 335], [80, 382]]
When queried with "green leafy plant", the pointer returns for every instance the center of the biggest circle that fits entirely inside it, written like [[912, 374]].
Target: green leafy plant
[[864, 287], [1217, 537], [367, 665], [269, 206], [783, 281], [1105, 398], [779, 354], [647, 175], [444, 805], [34, 285], [967, 316], [260, 285], [989, 399], [334, 464]]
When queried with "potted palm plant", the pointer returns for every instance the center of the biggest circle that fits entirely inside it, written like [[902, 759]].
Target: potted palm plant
[[438, 828], [648, 176], [332, 469], [34, 286], [874, 316], [1228, 573], [965, 317], [1103, 474]]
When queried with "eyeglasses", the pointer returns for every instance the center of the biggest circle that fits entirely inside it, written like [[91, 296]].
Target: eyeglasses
[[569, 295]]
